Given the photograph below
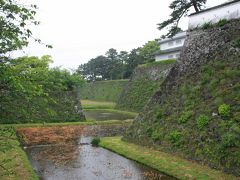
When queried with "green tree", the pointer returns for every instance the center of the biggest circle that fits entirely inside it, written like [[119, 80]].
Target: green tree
[[31, 91], [179, 8], [134, 59], [123, 58], [14, 21], [148, 50], [113, 63], [95, 69]]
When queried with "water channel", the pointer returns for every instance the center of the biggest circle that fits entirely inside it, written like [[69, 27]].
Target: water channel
[[85, 162], [79, 160], [102, 114]]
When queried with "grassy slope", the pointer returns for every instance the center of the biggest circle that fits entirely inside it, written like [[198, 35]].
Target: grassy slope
[[144, 83], [13, 158], [166, 163], [103, 90]]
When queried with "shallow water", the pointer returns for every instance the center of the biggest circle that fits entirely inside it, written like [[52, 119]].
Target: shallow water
[[101, 115], [84, 162]]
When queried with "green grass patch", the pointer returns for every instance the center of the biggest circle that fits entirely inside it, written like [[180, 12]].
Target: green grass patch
[[166, 163], [164, 62], [103, 90], [14, 163], [132, 114], [88, 122]]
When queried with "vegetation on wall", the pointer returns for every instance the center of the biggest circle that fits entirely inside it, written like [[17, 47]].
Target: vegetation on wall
[[102, 90], [199, 118], [144, 82]]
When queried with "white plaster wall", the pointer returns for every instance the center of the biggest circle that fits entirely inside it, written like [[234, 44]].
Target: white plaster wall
[[231, 11], [165, 45], [166, 56]]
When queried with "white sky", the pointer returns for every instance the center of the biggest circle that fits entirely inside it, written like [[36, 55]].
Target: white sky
[[83, 29]]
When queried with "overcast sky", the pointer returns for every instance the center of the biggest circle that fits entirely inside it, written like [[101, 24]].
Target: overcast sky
[[83, 29]]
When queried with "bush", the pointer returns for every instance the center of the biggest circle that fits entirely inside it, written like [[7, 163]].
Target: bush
[[159, 115], [222, 22], [175, 137], [229, 140], [202, 121], [95, 141], [236, 43], [224, 110], [149, 131], [155, 136], [207, 25], [185, 117]]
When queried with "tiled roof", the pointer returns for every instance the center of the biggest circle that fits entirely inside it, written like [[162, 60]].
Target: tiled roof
[[177, 36], [168, 50], [215, 7]]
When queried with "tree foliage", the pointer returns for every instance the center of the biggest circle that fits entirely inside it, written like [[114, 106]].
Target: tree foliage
[[14, 21], [179, 8], [28, 89], [118, 65], [148, 50]]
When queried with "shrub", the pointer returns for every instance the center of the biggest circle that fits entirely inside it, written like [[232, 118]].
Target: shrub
[[175, 137], [185, 117], [236, 117], [224, 110], [159, 115], [95, 141], [222, 22], [149, 131], [236, 43], [207, 25], [202, 121], [155, 135], [229, 140]]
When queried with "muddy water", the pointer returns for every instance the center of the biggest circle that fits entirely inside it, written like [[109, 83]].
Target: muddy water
[[84, 162], [101, 115]]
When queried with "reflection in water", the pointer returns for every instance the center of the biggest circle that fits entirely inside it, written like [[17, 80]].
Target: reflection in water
[[101, 115], [82, 161], [58, 155]]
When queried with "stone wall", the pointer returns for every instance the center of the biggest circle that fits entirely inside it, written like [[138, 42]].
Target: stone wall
[[183, 117], [144, 82]]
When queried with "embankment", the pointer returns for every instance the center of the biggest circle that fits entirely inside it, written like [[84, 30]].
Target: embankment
[[144, 82], [103, 90]]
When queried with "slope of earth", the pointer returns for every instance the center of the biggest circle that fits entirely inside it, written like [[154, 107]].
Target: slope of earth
[[144, 82], [102, 90], [196, 112]]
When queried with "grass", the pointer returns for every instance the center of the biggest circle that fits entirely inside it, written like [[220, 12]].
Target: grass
[[133, 114], [166, 163], [88, 122], [13, 160], [90, 104], [163, 62], [103, 90]]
